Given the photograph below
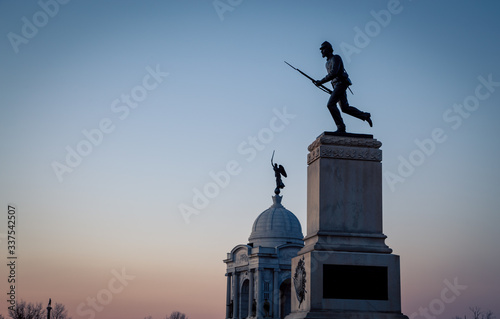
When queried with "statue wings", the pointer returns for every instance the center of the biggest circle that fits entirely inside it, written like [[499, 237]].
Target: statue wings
[[282, 171]]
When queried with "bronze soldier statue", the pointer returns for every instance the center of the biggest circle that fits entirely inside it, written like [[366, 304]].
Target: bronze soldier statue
[[340, 82]]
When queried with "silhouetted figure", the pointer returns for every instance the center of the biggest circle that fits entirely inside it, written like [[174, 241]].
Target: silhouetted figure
[[278, 172], [340, 82], [267, 308]]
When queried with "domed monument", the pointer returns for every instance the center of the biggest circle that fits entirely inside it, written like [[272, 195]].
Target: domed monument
[[259, 273], [275, 226]]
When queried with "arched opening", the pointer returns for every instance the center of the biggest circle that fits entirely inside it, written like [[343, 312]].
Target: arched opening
[[285, 298], [244, 299]]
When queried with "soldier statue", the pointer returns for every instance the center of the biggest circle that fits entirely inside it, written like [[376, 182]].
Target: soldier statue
[[340, 82]]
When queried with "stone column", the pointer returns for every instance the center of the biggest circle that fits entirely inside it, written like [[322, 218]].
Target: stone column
[[345, 269], [236, 312], [250, 292], [228, 294], [344, 194], [276, 293], [260, 294]]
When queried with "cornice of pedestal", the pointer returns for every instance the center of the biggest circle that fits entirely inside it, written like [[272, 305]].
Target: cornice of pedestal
[[345, 146]]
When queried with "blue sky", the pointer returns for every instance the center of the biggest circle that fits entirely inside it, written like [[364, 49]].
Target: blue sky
[[219, 82]]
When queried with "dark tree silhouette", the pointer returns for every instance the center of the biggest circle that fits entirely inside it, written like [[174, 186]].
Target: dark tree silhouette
[[477, 313], [25, 310], [177, 315], [59, 312]]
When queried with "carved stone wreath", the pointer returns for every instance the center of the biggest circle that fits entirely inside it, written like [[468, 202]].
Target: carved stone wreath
[[299, 281]]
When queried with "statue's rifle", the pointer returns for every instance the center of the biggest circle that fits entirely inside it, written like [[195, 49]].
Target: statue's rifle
[[321, 87]]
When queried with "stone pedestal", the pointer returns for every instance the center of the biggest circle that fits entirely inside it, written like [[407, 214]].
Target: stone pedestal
[[345, 269]]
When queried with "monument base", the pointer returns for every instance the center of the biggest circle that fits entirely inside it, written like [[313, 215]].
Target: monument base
[[344, 315], [345, 270], [340, 241], [344, 285]]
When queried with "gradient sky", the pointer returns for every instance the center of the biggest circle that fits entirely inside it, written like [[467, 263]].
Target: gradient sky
[[118, 210]]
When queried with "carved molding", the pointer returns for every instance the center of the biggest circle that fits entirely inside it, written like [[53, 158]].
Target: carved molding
[[344, 141], [345, 152]]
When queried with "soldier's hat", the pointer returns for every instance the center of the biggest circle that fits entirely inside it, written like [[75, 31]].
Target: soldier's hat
[[326, 44]]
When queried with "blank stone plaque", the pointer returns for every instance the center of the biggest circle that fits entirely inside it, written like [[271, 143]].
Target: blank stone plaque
[[355, 282]]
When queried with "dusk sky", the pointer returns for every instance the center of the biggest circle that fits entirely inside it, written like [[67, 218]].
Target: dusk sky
[[116, 115]]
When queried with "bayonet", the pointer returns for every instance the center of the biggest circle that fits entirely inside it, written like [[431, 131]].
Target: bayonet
[[321, 87]]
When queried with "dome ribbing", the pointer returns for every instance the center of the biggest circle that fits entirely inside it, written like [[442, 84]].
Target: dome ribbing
[[276, 226]]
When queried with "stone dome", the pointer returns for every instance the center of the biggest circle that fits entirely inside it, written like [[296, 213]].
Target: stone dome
[[276, 226]]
